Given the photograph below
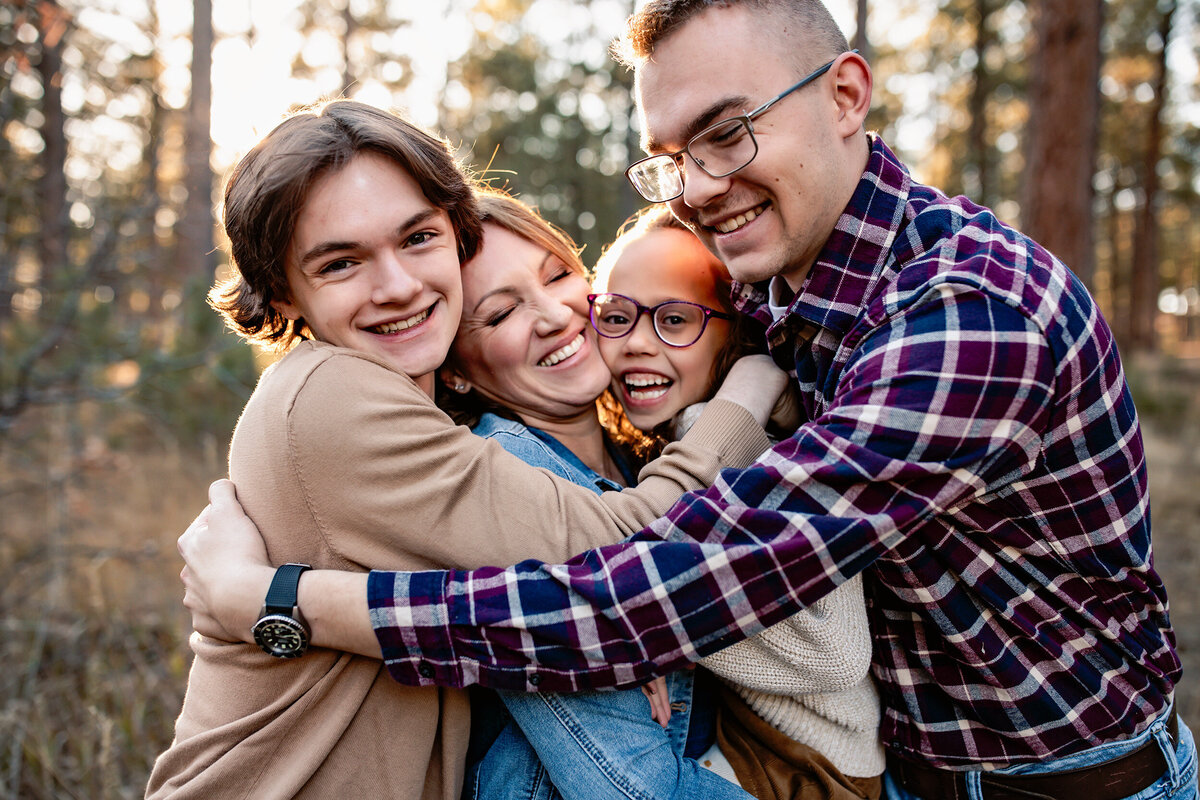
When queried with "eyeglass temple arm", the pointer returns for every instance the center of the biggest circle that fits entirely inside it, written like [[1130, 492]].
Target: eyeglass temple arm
[[804, 82]]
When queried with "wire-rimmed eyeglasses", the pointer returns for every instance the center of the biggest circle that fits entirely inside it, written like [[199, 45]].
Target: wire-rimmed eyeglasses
[[721, 149], [677, 323]]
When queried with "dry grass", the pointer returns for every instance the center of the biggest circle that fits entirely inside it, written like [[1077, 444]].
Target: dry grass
[[92, 633], [1168, 398], [93, 636]]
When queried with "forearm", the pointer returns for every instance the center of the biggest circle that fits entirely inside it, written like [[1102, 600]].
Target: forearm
[[764, 542], [335, 606], [440, 496], [333, 603], [227, 576]]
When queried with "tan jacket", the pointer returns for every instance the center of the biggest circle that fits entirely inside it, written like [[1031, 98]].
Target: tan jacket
[[344, 463]]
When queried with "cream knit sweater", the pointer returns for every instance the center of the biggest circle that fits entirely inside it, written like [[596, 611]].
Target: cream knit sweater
[[808, 676]]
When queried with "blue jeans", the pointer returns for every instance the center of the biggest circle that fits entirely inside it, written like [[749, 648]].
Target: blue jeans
[[1178, 783], [594, 746]]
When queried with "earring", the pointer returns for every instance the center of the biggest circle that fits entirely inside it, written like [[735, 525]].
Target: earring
[[460, 387]]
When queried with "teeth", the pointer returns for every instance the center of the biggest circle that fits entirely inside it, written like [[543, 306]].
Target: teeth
[[563, 353], [404, 324], [638, 380], [733, 224], [645, 386]]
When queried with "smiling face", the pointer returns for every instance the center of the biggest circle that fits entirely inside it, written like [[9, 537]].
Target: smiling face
[[373, 266], [771, 217], [525, 341], [652, 380]]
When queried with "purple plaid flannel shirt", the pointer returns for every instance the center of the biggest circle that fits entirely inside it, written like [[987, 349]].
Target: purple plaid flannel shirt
[[970, 444]]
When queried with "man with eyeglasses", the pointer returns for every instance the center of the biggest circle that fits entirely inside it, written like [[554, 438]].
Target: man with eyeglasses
[[969, 445]]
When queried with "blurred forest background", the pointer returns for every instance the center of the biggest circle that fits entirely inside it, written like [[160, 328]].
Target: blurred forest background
[[1076, 119]]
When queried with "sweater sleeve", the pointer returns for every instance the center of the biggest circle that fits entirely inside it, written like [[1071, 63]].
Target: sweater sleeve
[[824, 648], [388, 479]]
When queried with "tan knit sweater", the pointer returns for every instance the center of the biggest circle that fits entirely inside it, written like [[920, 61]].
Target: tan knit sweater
[[344, 463], [809, 677]]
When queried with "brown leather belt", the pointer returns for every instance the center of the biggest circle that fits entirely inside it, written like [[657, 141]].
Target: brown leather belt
[[1109, 780]]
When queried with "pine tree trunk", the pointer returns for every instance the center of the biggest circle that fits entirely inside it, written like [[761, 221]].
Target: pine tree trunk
[[1144, 284], [1063, 124], [348, 76], [1118, 292], [195, 240], [52, 189], [861, 42], [977, 157]]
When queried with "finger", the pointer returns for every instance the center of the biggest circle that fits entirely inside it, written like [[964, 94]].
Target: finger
[[664, 713], [649, 690], [660, 701], [222, 493], [200, 523]]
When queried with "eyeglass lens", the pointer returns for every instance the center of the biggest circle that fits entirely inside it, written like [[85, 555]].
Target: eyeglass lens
[[719, 150], [678, 324]]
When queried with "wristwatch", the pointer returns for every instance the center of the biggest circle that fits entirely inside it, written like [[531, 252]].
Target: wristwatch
[[281, 630]]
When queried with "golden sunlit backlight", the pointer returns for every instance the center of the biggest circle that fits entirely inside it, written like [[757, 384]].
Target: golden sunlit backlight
[[120, 386]]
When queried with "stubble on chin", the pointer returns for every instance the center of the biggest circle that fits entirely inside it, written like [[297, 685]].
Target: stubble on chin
[[751, 269]]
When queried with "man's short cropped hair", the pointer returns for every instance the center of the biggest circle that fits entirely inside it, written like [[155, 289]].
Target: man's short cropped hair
[[817, 36]]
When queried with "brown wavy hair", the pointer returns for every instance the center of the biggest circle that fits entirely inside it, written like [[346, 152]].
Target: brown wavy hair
[[267, 189]]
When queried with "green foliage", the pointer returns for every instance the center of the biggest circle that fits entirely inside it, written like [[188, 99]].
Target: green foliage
[[552, 121], [1133, 45], [367, 46], [113, 322], [1165, 391], [199, 385], [962, 80]]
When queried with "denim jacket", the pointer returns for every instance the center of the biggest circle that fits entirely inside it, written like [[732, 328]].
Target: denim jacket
[[590, 745], [539, 449]]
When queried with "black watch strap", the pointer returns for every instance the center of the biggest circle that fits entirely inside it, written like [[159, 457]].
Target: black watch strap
[[281, 597]]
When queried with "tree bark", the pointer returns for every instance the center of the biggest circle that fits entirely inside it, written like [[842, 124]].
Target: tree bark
[[1064, 102], [1145, 279], [977, 156], [861, 42], [195, 242], [158, 267], [52, 188], [348, 71], [1118, 289]]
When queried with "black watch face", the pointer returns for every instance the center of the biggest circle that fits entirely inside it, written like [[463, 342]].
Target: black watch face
[[280, 636]]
